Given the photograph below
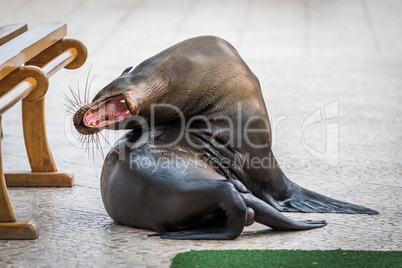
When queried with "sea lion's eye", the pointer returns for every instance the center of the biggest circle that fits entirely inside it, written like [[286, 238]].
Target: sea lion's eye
[[127, 69]]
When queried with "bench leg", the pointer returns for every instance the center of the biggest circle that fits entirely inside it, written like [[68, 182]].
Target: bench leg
[[10, 228], [6, 210], [44, 171], [38, 151], [19, 229]]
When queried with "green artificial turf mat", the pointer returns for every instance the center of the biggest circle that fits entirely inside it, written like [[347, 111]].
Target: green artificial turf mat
[[288, 258]]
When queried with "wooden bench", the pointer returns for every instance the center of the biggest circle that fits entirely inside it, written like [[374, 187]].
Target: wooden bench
[[27, 59]]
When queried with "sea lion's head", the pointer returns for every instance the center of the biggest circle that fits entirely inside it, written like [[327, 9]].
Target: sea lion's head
[[111, 107], [190, 78]]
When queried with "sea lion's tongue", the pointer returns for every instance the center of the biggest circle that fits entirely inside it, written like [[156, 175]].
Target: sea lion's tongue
[[108, 112]]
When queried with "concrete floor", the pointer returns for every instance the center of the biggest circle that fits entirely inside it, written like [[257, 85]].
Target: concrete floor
[[342, 55]]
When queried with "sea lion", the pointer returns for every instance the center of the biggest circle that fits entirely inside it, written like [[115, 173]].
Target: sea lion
[[197, 163]]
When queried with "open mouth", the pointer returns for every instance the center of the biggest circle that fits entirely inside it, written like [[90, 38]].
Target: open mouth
[[107, 112]]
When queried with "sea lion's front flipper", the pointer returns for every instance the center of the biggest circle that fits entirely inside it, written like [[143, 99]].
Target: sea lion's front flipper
[[304, 200], [213, 233]]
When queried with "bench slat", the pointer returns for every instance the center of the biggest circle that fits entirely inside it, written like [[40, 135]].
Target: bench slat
[[22, 48], [8, 32]]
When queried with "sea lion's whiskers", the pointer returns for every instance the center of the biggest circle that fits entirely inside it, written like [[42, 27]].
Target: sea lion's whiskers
[[78, 92], [71, 105], [89, 143], [92, 147], [111, 146], [99, 145], [86, 141], [89, 87], [74, 102], [86, 85]]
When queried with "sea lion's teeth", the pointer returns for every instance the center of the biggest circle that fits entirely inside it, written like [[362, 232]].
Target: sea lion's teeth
[[127, 111], [93, 124], [123, 101], [89, 112]]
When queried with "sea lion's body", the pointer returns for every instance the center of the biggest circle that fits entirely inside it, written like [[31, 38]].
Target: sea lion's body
[[198, 162]]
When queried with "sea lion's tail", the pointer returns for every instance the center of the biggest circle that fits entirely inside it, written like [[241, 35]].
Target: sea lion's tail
[[304, 200]]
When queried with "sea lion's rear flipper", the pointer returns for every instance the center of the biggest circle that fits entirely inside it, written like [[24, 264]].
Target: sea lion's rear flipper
[[304, 200], [287, 196], [268, 215]]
